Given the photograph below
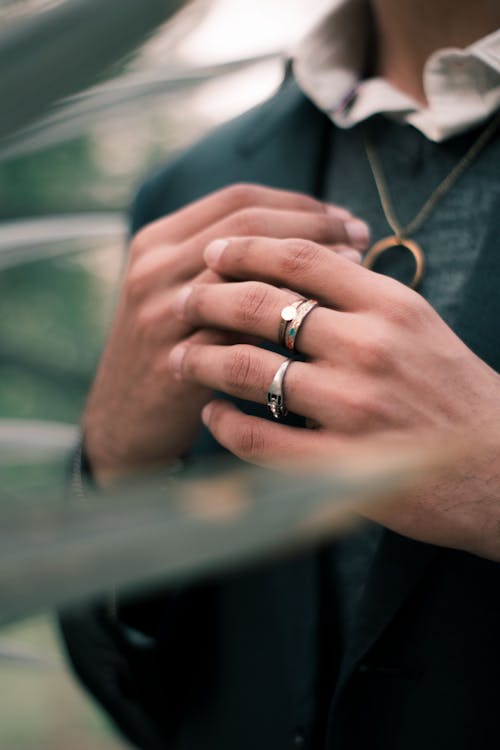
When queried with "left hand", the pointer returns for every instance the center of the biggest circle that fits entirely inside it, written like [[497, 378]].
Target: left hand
[[381, 365]]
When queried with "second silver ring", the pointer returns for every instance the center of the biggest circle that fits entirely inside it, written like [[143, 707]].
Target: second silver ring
[[276, 395]]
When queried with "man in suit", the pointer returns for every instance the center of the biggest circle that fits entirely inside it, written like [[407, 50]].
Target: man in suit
[[389, 637]]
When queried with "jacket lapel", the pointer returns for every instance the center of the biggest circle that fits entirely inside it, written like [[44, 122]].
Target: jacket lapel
[[293, 588], [478, 322], [398, 566], [285, 148]]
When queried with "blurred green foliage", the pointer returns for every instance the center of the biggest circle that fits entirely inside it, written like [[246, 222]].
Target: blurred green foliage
[[58, 179], [49, 339], [51, 311], [42, 709], [54, 313]]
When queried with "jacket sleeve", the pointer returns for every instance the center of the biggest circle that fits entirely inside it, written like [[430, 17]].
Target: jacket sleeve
[[147, 680], [97, 655]]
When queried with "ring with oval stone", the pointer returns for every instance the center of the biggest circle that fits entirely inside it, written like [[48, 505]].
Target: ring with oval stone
[[292, 328], [288, 314]]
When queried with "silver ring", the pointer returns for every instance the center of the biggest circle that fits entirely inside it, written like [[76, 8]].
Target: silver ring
[[275, 395]]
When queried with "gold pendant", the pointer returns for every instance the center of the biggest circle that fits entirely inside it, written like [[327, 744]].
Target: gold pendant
[[413, 247]]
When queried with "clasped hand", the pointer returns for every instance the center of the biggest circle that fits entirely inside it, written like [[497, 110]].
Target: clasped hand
[[138, 416], [380, 365]]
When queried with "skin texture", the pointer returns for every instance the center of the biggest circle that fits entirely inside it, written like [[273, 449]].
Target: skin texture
[[382, 367], [138, 415], [409, 31]]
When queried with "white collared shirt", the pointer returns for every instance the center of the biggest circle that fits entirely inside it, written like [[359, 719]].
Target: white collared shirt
[[462, 86]]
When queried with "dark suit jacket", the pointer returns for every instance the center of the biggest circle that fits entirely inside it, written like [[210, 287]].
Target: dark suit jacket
[[232, 664]]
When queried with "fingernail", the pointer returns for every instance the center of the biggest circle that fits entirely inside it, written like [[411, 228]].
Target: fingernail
[[205, 414], [214, 250], [175, 360], [179, 304], [339, 212], [358, 233], [351, 254]]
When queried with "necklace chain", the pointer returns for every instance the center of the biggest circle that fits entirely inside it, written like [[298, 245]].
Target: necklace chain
[[441, 190]]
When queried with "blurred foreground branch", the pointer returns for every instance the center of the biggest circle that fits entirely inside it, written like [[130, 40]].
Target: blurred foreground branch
[[31, 239], [26, 440], [174, 530], [53, 54], [77, 114]]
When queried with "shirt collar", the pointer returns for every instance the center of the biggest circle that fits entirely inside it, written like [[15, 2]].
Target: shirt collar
[[462, 85]]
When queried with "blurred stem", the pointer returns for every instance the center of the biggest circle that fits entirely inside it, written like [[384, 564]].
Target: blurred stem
[[50, 55]]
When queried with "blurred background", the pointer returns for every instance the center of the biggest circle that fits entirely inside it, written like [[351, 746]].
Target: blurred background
[[73, 149]]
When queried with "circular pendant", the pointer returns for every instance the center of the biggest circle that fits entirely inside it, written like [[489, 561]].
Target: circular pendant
[[413, 247]]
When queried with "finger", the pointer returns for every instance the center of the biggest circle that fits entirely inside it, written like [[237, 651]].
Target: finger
[[192, 219], [305, 266], [210, 337], [246, 372], [262, 442], [348, 252], [166, 263], [240, 370], [217, 337], [200, 338], [155, 315], [158, 270], [254, 308], [325, 227], [208, 276]]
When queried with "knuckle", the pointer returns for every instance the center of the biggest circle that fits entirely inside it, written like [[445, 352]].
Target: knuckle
[[239, 195], [139, 242], [218, 421], [194, 305], [149, 237], [145, 325], [364, 412], [327, 227], [376, 354], [419, 309], [149, 322], [238, 367], [191, 362], [247, 222], [254, 301], [405, 307], [143, 273], [298, 257], [241, 254], [249, 442], [159, 371], [135, 288]]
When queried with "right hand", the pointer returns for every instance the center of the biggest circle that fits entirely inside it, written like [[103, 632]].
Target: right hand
[[138, 416]]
